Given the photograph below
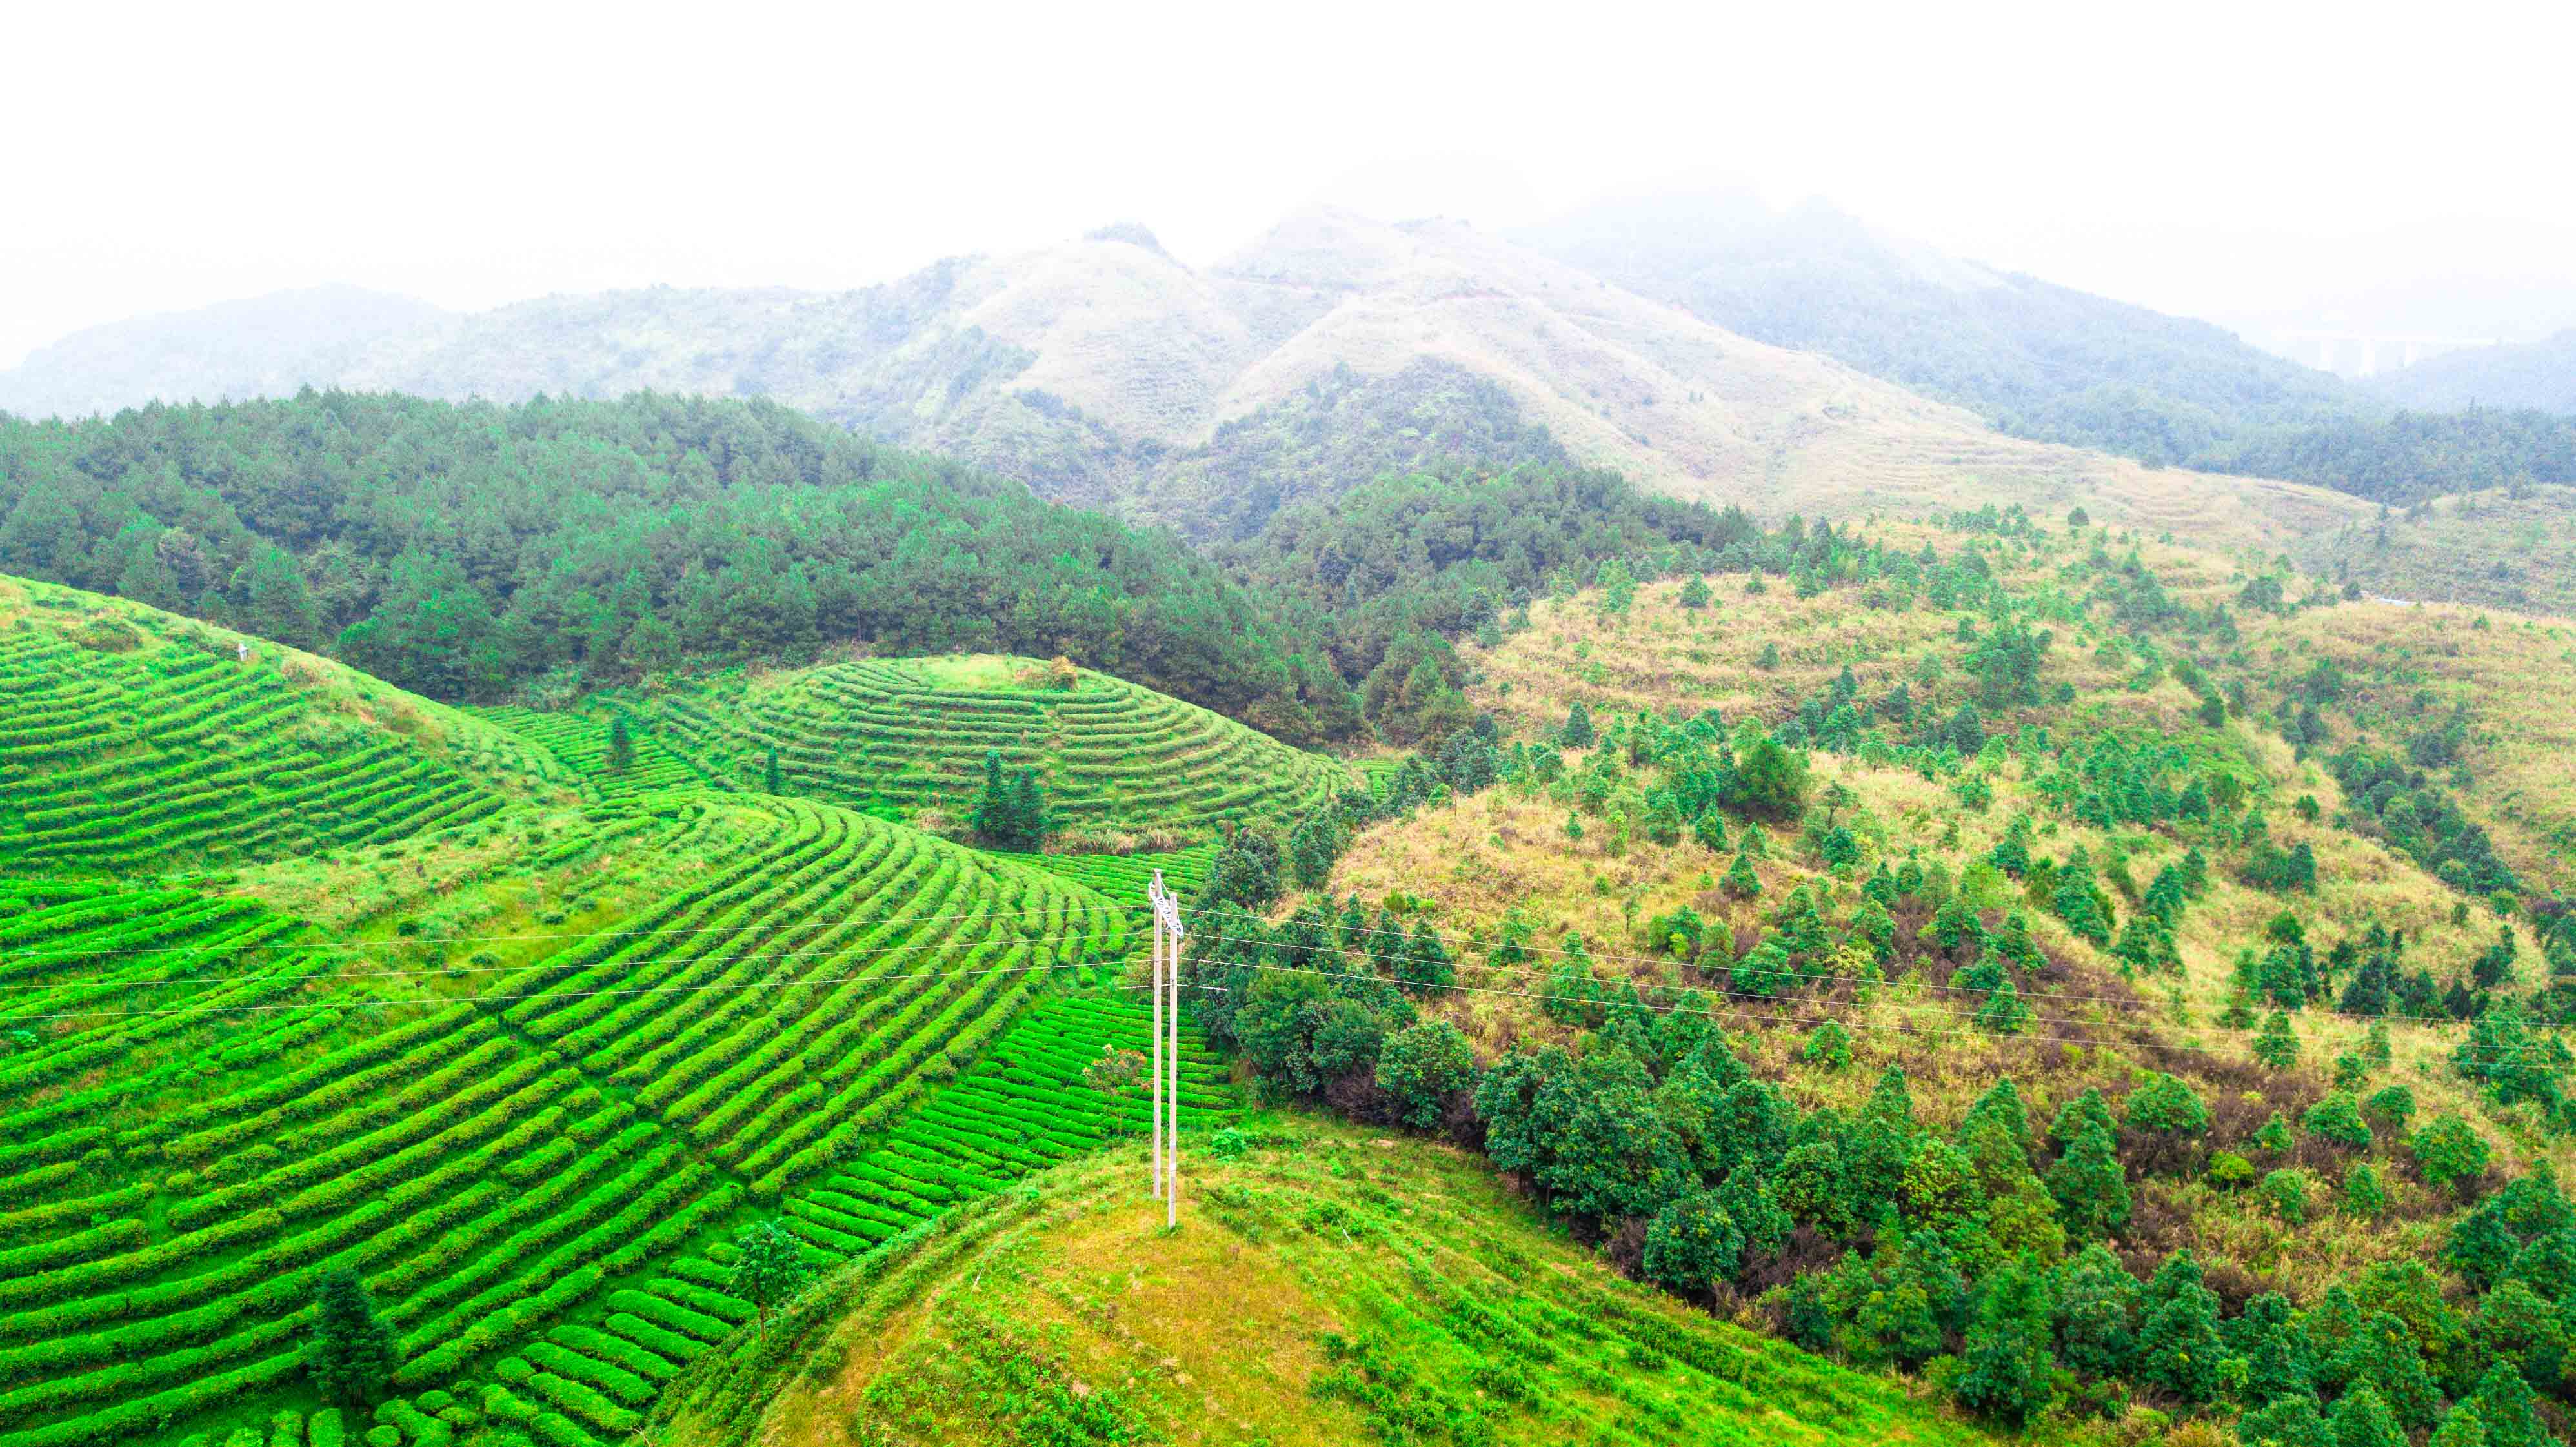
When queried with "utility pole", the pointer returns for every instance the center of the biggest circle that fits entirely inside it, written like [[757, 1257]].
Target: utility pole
[[1167, 939], [1153, 900]]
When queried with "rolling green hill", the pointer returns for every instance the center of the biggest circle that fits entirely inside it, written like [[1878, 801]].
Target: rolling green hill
[[1326, 1286], [470, 551], [136, 741], [909, 737]]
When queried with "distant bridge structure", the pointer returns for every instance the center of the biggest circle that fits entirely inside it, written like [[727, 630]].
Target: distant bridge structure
[[2350, 353]]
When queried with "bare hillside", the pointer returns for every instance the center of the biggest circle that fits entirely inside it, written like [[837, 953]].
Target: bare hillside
[[1331, 350]]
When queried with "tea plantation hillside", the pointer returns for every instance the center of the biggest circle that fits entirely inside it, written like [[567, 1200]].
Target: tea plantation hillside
[[136, 740], [1330, 1286], [211, 1108], [910, 737]]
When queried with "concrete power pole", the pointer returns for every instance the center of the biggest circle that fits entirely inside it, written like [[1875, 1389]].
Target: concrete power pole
[[1167, 938], [1153, 899]]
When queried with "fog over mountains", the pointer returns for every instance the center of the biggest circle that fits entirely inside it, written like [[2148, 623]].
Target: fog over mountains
[[1331, 349]]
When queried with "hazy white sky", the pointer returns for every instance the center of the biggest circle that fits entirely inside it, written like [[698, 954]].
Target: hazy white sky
[[2223, 160]]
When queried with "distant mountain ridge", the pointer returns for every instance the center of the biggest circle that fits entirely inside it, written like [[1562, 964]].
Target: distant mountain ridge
[[2043, 360], [263, 346], [2540, 375], [1331, 350]]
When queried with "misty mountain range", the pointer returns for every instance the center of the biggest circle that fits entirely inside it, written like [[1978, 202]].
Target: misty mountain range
[[1705, 345]]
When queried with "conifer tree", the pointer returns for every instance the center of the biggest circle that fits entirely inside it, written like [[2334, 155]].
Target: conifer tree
[[2091, 1191], [353, 1355], [1740, 879], [2098, 1304], [2278, 1045], [769, 773], [2005, 1366], [2076, 901], [621, 745], [2505, 1409], [1577, 733], [2362, 1419], [1710, 830], [2087, 1109], [2286, 1422], [991, 817], [2005, 1012], [1028, 818], [1425, 963], [2179, 1347], [2383, 1354], [2275, 1134], [2461, 1427]]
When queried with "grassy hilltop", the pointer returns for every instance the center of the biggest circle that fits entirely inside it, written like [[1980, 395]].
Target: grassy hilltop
[[1331, 1286]]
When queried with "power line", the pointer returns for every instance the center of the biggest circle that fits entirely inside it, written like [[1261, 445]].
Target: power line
[[1740, 1013], [407, 942], [702, 986], [2060, 995], [449, 970]]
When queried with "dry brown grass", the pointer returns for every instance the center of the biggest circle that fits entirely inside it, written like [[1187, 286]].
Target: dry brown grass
[[1474, 860], [2516, 677]]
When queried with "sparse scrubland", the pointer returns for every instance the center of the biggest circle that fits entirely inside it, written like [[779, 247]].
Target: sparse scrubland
[[2117, 983]]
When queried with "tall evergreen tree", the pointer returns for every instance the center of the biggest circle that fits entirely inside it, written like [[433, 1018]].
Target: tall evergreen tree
[[353, 1355], [2004, 1368], [1028, 817], [621, 745]]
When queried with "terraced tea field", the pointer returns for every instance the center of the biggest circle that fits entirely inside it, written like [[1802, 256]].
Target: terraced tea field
[[589, 1378], [903, 737], [125, 749], [580, 740], [553, 1142], [1124, 877]]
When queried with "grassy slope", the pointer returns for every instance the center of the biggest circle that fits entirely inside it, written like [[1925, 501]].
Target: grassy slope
[[2515, 550], [1063, 1308], [1471, 863], [2414, 665]]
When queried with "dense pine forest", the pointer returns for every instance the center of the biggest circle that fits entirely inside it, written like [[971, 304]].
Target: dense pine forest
[[469, 551]]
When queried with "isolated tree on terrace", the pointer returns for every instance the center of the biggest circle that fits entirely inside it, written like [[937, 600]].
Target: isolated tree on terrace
[[353, 1355], [621, 745], [1008, 809], [1029, 809], [770, 1268]]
